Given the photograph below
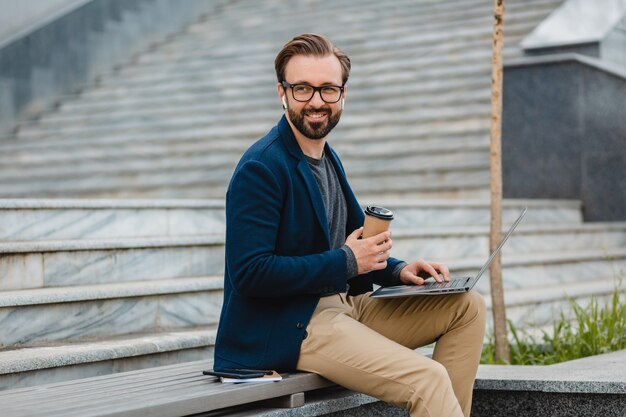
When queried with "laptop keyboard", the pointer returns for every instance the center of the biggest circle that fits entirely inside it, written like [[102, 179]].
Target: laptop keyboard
[[454, 283]]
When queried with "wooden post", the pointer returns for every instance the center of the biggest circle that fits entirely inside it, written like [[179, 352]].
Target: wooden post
[[495, 271]]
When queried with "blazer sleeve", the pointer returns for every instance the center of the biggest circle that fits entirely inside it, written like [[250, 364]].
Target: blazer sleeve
[[253, 206]]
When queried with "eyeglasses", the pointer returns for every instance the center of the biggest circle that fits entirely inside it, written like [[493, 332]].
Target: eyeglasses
[[305, 92]]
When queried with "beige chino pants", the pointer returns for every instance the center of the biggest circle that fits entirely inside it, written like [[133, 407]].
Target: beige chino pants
[[367, 345]]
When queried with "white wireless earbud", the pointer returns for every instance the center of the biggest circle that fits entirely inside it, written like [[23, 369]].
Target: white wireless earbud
[[284, 103], [343, 103]]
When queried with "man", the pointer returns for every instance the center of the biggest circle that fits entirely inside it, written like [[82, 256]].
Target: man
[[297, 274]]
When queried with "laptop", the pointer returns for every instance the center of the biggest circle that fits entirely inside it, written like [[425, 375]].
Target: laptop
[[455, 285]]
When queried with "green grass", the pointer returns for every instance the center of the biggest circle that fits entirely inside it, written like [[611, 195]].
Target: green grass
[[594, 329]]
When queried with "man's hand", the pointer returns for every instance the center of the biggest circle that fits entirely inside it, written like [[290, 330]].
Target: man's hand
[[372, 253], [416, 272]]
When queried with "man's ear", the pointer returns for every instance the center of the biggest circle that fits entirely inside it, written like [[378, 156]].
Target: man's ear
[[281, 96]]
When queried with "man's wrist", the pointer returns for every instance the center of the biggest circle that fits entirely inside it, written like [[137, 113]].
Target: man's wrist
[[352, 268]]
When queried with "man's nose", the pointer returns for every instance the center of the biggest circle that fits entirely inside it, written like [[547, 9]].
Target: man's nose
[[316, 100]]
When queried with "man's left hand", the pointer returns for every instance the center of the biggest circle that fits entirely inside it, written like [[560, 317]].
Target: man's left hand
[[416, 272]]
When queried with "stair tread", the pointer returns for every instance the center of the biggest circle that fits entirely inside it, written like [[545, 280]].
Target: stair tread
[[109, 243], [33, 358], [50, 295]]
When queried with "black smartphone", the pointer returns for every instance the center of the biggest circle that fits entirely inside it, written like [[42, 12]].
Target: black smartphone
[[238, 373]]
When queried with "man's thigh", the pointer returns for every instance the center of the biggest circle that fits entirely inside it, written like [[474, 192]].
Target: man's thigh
[[359, 358], [412, 321]]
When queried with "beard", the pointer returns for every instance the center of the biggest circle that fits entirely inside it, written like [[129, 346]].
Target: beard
[[314, 130]]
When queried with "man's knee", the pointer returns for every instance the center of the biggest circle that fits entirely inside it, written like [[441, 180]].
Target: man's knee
[[473, 305]]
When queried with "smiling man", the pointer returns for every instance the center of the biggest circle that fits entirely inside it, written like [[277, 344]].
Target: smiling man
[[298, 275]]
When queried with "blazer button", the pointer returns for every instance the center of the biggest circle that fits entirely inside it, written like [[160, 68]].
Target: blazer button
[[306, 334], [300, 326]]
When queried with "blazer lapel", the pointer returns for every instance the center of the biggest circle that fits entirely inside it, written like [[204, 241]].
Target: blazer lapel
[[303, 168]]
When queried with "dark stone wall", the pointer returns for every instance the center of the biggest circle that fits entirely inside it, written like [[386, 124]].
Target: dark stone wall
[[62, 55], [546, 404], [564, 135]]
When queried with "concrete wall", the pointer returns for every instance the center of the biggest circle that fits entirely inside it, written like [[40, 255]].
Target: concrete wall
[[18, 17], [59, 56], [564, 133]]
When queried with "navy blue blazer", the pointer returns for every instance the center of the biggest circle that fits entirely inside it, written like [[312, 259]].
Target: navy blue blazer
[[278, 257]]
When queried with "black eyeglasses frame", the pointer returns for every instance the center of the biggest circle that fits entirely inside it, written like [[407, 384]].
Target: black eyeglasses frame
[[286, 85]]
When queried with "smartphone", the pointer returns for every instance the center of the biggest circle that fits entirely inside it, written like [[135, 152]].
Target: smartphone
[[238, 373]]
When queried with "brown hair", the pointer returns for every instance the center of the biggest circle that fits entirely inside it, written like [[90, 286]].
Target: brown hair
[[310, 44]]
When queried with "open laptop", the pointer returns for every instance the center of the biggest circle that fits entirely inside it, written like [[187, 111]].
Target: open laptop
[[455, 285]]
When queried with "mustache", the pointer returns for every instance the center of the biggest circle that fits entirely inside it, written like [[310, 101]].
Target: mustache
[[320, 110]]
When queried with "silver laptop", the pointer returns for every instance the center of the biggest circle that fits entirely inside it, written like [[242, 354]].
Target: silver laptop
[[455, 285]]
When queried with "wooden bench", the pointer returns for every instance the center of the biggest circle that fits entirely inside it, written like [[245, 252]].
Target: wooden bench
[[174, 390]]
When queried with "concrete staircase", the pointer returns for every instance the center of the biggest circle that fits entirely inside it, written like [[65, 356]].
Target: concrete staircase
[[93, 286]]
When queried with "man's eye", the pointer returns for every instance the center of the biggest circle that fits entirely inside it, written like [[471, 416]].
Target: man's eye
[[302, 88], [330, 90]]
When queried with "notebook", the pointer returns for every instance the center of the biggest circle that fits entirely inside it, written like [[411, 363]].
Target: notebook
[[455, 285]]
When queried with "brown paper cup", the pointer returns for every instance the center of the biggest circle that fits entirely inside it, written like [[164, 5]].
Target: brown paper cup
[[377, 220]]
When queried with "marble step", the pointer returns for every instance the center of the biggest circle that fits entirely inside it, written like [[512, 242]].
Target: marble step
[[400, 33], [28, 219], [473, 241], [43, 264], [71, 219], [539, 269], [38, 317], [74, 107], [261, 83], [78, 154], [200, 182], [366, 134], [348, 142], [533, 308], [369, 10], [198, 70], [357, 164], [22, 367], [25, 367], [210, 108], [35, 365], [382, 116]]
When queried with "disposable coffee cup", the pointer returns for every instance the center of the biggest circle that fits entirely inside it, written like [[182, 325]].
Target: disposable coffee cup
[[377, 220]]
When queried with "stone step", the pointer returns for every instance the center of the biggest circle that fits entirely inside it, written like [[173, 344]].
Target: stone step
[[418, 220], [25, 367], [212, 109], [43, 264], [199, 182], [261, 84], [54, 156], [74, 107], [39, 317], [28, 219], [22, 367], [369, 12], [369, 130], [370, 133], [473, 241], [439, 31], [539, 307], [202, 69], [539, 269], [447, 111], [357, 164]]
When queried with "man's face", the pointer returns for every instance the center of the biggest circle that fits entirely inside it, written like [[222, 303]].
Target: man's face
[[315, 118]]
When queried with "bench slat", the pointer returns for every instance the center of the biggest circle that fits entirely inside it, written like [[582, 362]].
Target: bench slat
[[167, 391]]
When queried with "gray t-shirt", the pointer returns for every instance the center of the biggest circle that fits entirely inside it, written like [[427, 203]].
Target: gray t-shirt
[[336, 207], [337, 211]]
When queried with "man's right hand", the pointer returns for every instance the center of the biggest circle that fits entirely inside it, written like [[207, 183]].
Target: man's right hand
[[372, 253]]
